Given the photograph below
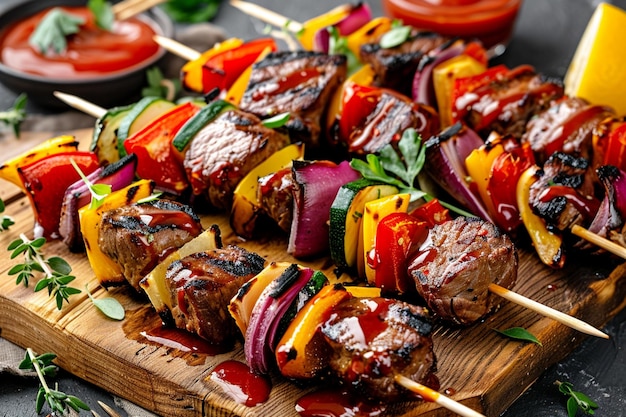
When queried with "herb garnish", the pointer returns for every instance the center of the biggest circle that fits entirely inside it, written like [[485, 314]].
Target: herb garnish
[[405, 166], [192, 11], [16, 114], [339, 45], [98, 191], [59, 402], [397, 35], [103, 12], [109, 306], [519, 333], [577, 400], [5, 221], [51, 32], [56, 270], [159, 86]]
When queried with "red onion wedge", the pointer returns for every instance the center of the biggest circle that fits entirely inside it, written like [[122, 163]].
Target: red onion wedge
[[273, 303], [118, 175], [612, 212], [445, 156], [359, 15], [423, 90], [315, 186]]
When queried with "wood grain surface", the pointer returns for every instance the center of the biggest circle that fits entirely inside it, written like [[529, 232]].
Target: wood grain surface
[[476, 365]]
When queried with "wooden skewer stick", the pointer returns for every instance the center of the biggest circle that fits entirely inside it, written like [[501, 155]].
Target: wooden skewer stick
[[605, 244], [128, 8], [562, 318], [177, 48], [267, 16], [429, 394], [80, 104]]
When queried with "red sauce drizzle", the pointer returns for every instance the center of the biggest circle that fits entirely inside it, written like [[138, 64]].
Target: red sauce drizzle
[[240, 383], [587, 206], [182, 341], [333, 403], [287, 83]]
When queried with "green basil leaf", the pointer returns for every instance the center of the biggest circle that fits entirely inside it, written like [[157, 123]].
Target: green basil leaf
[[519, 333], [396, 36], [103, 12], [109, 306]]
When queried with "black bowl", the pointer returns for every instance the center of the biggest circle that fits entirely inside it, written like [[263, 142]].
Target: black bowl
[[106, 90]]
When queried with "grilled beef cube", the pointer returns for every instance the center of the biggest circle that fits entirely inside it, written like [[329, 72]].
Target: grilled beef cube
[[300, 83], [275, 194], [225, 150], [566, 126], [455, 265], [392, 115], [138, 236], [374, 339], [201, 286], [563, 195], [506, 104], [395, 67]]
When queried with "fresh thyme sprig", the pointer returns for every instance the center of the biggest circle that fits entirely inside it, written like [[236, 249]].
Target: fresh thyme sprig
[[15, 115], [56, 270], [400, 170], [5, 221], [577, 400], [59, 402]]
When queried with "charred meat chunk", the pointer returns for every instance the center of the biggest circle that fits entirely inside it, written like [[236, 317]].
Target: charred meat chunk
[[395, 67], [506, 103], [566, 126], [564, 195], [201, 286], [455, 265], [300, 83], [275, 194], [225, 150], [374, 339], [139, 236]]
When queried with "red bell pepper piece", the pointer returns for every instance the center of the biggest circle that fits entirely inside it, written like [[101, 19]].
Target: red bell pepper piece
[[397, 235], [506, 171], [358, 102], [47, 179], [157, 159], [432, 213], [615, 153], [221, 70]]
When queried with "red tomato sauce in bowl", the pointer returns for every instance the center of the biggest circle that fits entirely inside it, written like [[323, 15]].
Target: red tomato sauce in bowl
[[90, 53], [491, 21]]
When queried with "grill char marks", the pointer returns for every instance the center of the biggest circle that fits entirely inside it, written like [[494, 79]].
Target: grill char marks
[[201, 286], [225, 150], [373, 339], [300, 83], [454, 267], [138, 236]]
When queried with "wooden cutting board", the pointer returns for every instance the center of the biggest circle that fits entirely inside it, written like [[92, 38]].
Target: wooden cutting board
[[476, 365]]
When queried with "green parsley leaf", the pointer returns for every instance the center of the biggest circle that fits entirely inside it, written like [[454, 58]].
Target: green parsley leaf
[[519, 333], [277, 121], [339, 45], [396, 36], [51, 32], [103, 13], [192, 11]]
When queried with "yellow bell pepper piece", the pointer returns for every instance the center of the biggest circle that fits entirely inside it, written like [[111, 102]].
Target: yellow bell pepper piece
[[154, 283], [298, 352], [311, 26], [444, 75], [191, 72], [547, 244], [105, 269], [246, 206], [374, 212], [478, 165], [596, 72], [8, 170], [368, 33]]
